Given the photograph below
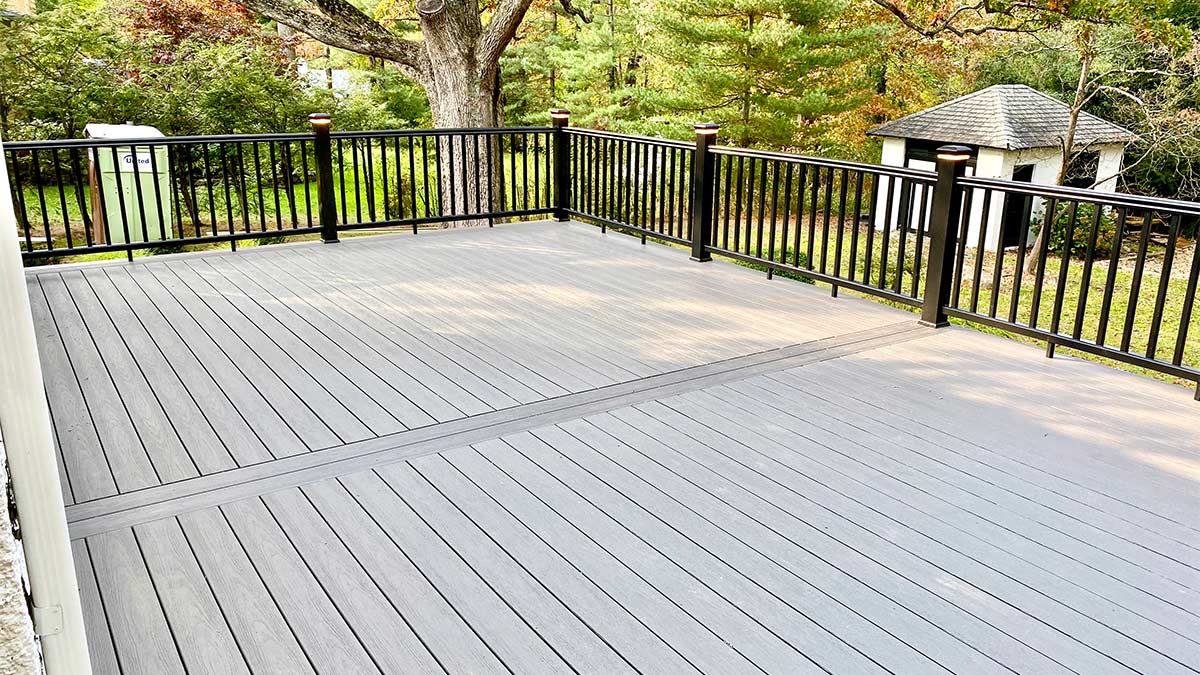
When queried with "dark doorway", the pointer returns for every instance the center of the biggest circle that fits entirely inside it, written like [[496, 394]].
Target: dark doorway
[[1016, 209]]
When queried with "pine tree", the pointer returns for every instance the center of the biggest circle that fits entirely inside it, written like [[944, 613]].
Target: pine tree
[[767, 70]]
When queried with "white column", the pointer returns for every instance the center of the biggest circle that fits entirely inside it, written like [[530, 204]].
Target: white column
[[1109, 167], [989, 163], [894, 150], [28, 440]]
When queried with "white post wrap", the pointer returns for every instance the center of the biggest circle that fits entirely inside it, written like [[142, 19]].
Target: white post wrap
[[29, 442]]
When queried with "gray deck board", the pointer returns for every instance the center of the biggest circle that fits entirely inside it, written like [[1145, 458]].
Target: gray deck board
[[291, 391], [128, 458], [975, 526], [311, 612], [86, 468], [1035, 594], [101, 651], [142, 636], [511, 639], [205, 640], [196, 429], [593, 603], [1091, 528], [161, 340], [564, 631], [536, 448], [262, 632], [366, 416], [141, 289]]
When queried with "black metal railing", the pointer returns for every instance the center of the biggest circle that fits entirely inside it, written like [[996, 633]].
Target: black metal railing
[[96, 196], [1108, 277], [634, 182], [852, 225]]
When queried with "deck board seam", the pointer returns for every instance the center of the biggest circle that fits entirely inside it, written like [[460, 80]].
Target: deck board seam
[[218, 488]]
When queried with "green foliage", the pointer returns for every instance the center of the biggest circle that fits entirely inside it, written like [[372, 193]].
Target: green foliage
[[1081, 233], [71, 66], [63, 69], [766, 69]]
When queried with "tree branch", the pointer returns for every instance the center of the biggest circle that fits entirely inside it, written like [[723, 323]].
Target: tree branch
[[503, 27], [340, 24], [500, 31]]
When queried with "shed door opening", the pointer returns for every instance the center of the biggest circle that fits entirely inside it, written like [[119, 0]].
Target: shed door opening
[[1016, 209]]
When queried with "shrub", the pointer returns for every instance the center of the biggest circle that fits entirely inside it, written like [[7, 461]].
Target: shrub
[[1085, 218]]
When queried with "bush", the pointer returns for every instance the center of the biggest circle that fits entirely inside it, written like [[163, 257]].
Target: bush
[[1085, 217]]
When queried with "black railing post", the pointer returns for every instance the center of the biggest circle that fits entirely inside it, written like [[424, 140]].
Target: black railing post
[[703, 180], [943, 232], [326, 201], [559, 119]]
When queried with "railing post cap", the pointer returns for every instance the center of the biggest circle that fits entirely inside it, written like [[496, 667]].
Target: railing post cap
[[953, 153], [706, 127], [560, 112], [320, 118]]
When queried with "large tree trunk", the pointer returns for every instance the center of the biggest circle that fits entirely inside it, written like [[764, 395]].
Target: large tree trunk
[[457, 63], [463, 94]]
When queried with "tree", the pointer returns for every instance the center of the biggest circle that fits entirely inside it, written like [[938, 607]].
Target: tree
[[1080, 20], [764, 69], [62, 69], [456, 61]]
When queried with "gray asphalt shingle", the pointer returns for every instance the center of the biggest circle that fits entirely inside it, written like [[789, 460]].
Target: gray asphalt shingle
[[1007, 116]]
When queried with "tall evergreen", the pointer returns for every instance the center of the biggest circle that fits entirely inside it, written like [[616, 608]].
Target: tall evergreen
[[767, 70]]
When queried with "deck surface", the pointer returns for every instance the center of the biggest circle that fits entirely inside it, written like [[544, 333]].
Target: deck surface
[[537, 448]]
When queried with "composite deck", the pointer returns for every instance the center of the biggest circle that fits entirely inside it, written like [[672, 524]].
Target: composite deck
[[537, 448]]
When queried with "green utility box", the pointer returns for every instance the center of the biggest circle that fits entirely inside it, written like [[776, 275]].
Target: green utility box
[[123, 195]]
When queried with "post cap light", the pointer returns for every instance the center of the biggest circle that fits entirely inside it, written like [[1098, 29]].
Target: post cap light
[[707, 128], [954, 153], [560, 113], [320, 118]]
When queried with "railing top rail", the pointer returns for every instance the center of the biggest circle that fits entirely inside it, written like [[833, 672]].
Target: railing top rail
[[63, 144], [478, 131], [883, 169], [1059, 192], [650, 140]]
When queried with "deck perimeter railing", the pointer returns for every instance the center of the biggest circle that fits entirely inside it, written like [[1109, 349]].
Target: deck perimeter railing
[[1109, 278]]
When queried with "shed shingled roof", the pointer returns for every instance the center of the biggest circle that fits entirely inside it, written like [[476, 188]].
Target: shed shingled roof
[[1007, 116]]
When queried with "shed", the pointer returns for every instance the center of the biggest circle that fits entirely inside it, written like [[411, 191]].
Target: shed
[[1015, 132]]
